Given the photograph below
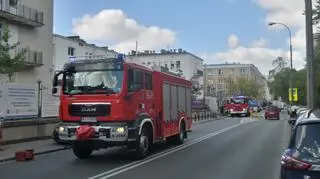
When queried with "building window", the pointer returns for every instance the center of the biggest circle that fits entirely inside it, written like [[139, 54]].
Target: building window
[[166, 65], [220, 72], [242, 71], [171, 66], [71, 51], [13, 3], [178, 64]]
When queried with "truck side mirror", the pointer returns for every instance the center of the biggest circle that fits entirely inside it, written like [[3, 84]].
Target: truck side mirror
[[55, 91], [55, 78]]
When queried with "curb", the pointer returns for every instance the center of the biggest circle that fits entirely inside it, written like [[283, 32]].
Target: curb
[[7, 159]]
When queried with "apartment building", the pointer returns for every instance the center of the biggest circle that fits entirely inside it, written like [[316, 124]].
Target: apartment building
[[31, 23], [218, 76], [177, 61], [68, 46]]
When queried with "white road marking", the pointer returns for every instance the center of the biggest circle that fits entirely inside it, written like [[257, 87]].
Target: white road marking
[[124, 168]]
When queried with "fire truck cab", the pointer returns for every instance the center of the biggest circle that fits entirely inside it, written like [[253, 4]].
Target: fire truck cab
[[107, 102], [238, 106]]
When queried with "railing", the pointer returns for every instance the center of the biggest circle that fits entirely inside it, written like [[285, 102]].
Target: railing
[[203, 115], [32, 58], [22, 11], [30, 14]]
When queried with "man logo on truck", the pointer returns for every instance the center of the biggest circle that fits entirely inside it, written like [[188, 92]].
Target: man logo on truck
[[88, 109]]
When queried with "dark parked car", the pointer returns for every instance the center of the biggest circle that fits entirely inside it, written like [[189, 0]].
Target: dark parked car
[[302, 157], [272, 112]]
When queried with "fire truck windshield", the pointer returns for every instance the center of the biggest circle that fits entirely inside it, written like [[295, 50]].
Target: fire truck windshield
[[93, 82], [238, 101]]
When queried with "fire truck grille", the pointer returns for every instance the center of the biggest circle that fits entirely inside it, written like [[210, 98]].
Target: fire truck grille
[[89, 110]]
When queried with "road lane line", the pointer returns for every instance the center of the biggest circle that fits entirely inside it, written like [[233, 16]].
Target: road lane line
[[132, 165]]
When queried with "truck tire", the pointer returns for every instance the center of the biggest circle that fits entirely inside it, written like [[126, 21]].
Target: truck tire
[[179, 139], [81, 150], [143, 144]]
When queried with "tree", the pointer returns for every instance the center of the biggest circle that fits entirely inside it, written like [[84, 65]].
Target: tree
[[196, 87], [10, 64], [247, 87], [279, 81]]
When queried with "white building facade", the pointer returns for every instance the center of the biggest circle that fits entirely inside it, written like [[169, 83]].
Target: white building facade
[[175, 60], [30, 22], [65, 47]]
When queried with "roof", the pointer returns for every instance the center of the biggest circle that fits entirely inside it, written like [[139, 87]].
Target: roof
[[77, 39], [235, 65], [312, 116], [167, 53]]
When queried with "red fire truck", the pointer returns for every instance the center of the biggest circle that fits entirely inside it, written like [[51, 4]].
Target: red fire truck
[[109, 102], [238, 106]]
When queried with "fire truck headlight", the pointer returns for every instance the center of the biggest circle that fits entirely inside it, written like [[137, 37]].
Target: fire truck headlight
[[62, 129], [120, 129]]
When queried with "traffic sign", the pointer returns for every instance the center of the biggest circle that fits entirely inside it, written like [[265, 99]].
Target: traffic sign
[[295, 94]]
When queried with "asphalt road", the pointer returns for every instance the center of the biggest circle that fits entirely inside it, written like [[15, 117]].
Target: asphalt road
[[224, 149]]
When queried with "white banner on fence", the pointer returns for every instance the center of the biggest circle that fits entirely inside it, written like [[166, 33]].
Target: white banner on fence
[[19, 101], [50, 104]]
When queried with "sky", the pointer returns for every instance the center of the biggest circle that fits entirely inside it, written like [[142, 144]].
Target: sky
[[219, 31]]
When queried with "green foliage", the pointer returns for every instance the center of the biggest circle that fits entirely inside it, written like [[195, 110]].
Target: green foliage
[[247, 87], [196, 87], [279, 81], [10, 64]]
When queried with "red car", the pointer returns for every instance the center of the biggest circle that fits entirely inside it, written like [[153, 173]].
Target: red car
[[272, 112]]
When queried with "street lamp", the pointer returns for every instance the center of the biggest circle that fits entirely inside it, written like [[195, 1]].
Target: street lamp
[[290, 41]]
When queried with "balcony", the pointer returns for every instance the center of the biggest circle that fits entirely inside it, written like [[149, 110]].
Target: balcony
[[32, 58], [21, 14]]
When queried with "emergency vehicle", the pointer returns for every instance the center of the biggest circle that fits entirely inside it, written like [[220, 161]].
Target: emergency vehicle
[[106, 102], [238, 106]]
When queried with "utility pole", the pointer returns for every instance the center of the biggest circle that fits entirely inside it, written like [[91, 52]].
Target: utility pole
[[310, 55], [205, 81]]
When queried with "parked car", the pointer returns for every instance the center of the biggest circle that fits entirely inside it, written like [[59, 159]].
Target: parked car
[[272, 112], [302, 157]]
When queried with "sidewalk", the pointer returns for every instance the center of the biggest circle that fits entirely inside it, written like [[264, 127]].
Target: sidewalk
[[48, 145], [40, 147]]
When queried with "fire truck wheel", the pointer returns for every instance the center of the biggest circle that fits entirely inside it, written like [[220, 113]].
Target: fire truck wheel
[[179, 139], [81, 151], [143, 143]]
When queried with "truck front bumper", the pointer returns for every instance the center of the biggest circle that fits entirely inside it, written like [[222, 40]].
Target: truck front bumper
[[238, 112], [108, 132]]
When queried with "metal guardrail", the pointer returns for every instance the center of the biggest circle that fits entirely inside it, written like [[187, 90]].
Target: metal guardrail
[[203, 115]]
